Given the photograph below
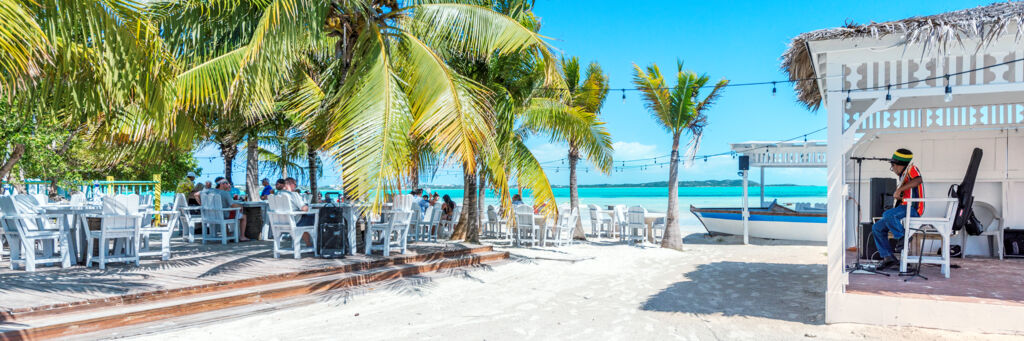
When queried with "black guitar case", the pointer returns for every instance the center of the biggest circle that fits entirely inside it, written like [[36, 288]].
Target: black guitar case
[[964, 192]]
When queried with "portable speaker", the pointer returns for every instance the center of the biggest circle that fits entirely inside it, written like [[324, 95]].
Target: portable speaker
[[744, 162]]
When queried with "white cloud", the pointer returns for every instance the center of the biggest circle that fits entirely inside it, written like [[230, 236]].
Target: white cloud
[[549, 151], [634, 150]]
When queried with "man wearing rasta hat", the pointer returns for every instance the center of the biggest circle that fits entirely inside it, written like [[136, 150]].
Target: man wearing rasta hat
[[911, 185]]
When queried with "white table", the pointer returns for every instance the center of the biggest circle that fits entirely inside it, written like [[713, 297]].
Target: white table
[[73, 226]]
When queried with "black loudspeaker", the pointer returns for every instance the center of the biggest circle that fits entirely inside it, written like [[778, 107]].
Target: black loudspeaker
[[332, 232], [867, 242], [744, 162], [881, 195]]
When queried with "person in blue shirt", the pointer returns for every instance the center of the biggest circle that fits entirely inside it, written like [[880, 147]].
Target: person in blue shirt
[[267, 190], [517, 200], [425, 203]]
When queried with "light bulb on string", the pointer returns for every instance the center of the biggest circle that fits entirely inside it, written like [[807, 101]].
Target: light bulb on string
[[849, 103], [888, 94], [773, 89], [623, 96], [949, 91]]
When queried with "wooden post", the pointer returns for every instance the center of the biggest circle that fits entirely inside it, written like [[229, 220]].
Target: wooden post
[[110, 185], [746, 210], [156, 198]]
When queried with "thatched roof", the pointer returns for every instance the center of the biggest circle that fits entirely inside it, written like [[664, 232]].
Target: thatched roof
[[935, 31]]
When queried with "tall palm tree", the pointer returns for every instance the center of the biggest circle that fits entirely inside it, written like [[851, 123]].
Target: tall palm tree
[[679, 109], [388, 80], [583, 104]]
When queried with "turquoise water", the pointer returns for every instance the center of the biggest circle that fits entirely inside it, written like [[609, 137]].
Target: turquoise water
[[655, 199]]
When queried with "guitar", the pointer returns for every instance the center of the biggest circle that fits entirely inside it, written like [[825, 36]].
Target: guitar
[[899, 182]]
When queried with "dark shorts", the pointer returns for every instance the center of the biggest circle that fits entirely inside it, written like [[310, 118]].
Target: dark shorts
[[306, 220]]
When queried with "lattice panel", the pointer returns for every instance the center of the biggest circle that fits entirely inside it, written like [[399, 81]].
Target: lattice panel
[[997, 115]]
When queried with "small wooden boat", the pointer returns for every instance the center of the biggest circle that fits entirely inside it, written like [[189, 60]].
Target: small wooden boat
[[773, 222]]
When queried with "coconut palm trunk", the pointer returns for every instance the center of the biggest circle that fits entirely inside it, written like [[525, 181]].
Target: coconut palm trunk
[[574, 194], [469, 215], [313, 174], [252, 188], [228, 151], [673, 238]]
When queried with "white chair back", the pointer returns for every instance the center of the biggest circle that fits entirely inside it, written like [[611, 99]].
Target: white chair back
[[212, 208], [8, 207], [434, 214], [280, 204], [456, 214], [524, 216], [78, 198], [41, 199], [118, 215], [492, 213], [401, 218], [635, 217], [26, 203], [129, 201]]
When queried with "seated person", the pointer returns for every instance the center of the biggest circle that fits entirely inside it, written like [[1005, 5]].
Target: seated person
[[298, 204], [425, 203], [223, 186], [911, 186], [434, 198], [447, 208], [517, 200], [267, 190]]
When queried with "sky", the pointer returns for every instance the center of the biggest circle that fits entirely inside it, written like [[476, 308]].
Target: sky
[[737, 40]]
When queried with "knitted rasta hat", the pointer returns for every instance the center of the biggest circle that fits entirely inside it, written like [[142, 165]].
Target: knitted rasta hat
[[902, 157]]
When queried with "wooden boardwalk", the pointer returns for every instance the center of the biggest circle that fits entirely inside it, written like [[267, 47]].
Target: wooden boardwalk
[[192, 268]]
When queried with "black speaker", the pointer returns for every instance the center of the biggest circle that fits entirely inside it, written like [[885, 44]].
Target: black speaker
[[744, 162], [332, 232], [867, 242], [881, 195]]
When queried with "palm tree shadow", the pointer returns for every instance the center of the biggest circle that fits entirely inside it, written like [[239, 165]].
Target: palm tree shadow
[[790, 292]]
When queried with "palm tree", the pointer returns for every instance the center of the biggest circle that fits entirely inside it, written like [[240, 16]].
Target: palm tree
[[390, 78], [679, 109], [586, 97], [91, 65]]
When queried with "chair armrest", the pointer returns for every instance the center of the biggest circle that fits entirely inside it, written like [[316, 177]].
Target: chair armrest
[[930, 200]]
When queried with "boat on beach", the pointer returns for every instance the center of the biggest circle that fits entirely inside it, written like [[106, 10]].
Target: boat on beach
[[773, 221]]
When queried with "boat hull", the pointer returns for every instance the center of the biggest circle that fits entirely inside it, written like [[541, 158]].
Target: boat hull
[[765, 223]]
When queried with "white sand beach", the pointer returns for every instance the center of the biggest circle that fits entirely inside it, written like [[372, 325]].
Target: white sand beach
[[601, 290]]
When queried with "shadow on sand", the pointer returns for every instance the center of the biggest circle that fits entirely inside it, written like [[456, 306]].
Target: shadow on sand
[[791, 292]]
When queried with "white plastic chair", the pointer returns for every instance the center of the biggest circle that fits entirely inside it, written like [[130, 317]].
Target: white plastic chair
[[992, 223], [217, 227], [189, 216], [283, 220], [119, 224], [427, 228], [600, 223], [496, 223], [635, 225], [619, 221], [940, 224], [390, 234], [163, 231], [24, 228], [562, 233], [448, 225], [527, 231]]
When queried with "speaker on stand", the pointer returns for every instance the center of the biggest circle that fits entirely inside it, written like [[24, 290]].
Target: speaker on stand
[[332, 232]]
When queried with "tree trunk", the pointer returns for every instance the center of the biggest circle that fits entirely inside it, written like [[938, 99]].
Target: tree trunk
[[574, 196], [473, 233], [673, 238], [16, 155], [228, 152], [284, 171], [311, 158], [252, 170], [469, 214], [414, 175]]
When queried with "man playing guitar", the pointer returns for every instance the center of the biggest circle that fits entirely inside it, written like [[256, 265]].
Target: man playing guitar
[[910, 184]]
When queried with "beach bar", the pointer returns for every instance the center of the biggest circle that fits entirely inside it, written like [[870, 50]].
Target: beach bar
[[940, 86]]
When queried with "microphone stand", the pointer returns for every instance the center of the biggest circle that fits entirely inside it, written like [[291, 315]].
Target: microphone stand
[[857, 267]]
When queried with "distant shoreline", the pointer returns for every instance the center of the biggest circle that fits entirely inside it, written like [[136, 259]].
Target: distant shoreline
[[699, 183]]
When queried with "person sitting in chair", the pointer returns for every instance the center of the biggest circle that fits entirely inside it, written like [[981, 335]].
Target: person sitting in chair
[[911, 185]]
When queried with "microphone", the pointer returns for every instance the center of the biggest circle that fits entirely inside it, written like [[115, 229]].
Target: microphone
[[865, 158]]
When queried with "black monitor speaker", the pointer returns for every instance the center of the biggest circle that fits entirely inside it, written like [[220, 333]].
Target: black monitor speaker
[[744, 162], [881, 199]]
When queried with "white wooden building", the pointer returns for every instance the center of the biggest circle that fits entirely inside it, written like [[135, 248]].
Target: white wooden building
[[940, 86]]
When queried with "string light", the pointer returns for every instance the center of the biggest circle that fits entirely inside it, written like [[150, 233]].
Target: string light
[[623, 96], [773, 89], [888, 95], [849, 103]]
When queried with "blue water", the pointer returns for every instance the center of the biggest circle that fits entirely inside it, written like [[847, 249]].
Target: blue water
[[655, 199]]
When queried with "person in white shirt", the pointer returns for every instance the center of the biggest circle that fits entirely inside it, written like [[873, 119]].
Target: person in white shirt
[[295, 199]]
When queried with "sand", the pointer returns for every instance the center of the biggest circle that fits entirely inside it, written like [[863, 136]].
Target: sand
[[602, 290]]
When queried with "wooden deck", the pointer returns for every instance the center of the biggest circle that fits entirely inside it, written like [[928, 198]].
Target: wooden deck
[[193, 268], [975, 280]]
